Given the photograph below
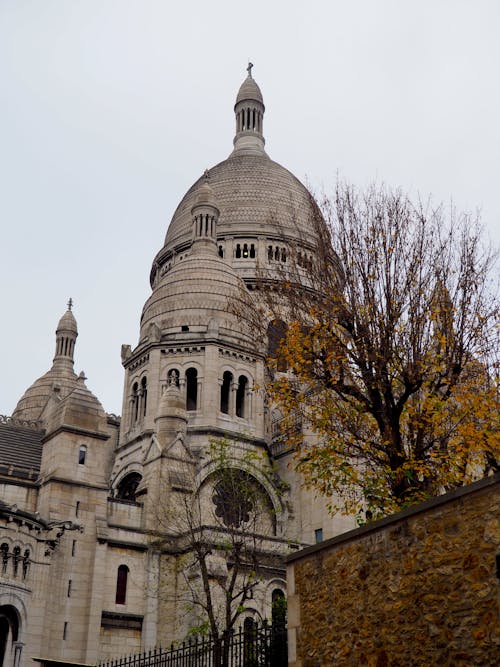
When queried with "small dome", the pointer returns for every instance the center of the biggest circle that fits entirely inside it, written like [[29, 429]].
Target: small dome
[[80, 408], [199, 288], [249, 90], [67, 323], [58, 381]]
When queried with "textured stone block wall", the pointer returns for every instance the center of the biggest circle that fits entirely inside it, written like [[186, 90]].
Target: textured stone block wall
[[420, 588]]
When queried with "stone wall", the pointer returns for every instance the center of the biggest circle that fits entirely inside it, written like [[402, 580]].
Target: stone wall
[[419, 588]]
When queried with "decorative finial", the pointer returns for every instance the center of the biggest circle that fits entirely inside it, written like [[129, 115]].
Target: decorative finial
[[70, 303], [249, 69], [206, 174]]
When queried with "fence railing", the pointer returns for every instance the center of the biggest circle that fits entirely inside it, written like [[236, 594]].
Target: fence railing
[[262, 646]]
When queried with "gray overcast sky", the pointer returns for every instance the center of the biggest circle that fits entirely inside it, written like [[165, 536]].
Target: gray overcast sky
[[110, 109]]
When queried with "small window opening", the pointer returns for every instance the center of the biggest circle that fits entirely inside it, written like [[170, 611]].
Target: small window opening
[[121, 584], [318, 535], [4, 551], [69, 588], [144, 395], [16, 557], [82, 455], [65, 629], [252, 251], [227, 380], [26, 563], [270, 253], [191, 389], [283, 255], [245, 251], [240, 396], [135, 402], [184, 327], [238, 251], [73, 548], [221, 251], [277, 254], [77, 508]]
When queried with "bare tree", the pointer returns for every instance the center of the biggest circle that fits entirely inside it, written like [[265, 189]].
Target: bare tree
[[390, 345], [222, 529]]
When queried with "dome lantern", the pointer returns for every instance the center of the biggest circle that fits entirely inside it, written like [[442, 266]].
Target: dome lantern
[[205, 215], [66, 334], [249, 111]]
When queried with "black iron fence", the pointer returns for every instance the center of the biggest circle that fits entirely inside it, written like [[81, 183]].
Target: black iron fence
[[262, 646]]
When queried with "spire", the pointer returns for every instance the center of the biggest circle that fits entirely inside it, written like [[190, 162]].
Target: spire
[[249, 111], [66, 334], [205, 216]]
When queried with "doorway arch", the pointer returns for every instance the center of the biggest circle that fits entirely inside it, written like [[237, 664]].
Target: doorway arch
[[10, 647]]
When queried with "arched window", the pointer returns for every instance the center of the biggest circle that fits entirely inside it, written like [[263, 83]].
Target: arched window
[[252, 251], [4, 553], [278, 609], [16, 557], [82, 455], [191, 389], [127, 487], [121, 584], [270, 253], [225, 391], [245, 250], [241, 396], [276, 332], [135, 402], [221, 251], [238, 251], [26, 563], [144, 395]]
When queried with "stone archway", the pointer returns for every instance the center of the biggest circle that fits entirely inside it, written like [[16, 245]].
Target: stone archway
[[9, 634]]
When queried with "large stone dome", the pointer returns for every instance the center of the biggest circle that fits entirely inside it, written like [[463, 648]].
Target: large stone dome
[[255, 195], [260, 202]]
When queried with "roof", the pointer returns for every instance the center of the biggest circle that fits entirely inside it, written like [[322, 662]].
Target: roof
[[20, 449]]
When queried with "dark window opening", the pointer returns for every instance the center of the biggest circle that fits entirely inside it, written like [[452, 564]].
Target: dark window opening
[[238, 251], [221, 251], [121, 584], [191, 389], [270, 253], [26, 563], [225, 391], [184, 327], [240, 396], [318, 535], [82, 455], [135, 402], [278, 608], [73, 548], [65, 629], [4, 551], [16, 557], [127, 487], [276, 333], [144, 395], [77, 508], [245, 250], [69, 588], [252, 251]]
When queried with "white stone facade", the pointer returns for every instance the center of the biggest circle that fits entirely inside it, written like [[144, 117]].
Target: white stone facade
[[91, 492]]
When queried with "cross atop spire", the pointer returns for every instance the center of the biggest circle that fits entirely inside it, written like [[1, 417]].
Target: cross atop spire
[[249, 69], [70, 303]]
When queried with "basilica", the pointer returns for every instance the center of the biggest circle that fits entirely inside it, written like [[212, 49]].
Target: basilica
[[85, 494]]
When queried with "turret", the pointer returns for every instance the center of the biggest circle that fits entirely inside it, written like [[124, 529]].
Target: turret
[[249, 111], [205, 215]]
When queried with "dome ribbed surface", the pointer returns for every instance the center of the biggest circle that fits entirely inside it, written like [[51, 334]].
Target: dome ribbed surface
[[249, 90], [31, 404], [254, 194], [198, 289]]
